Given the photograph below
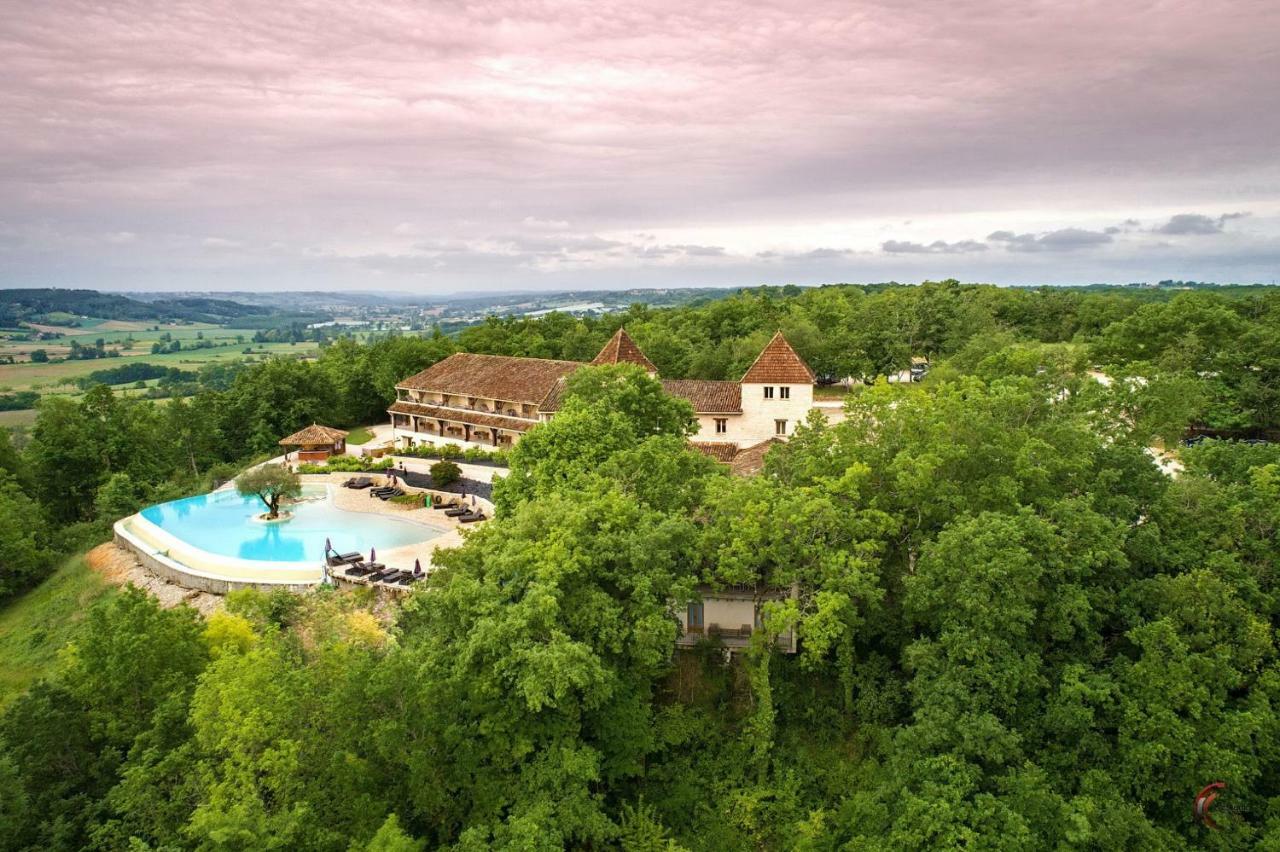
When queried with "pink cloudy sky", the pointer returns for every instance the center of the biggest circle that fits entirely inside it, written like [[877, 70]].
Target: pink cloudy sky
[[445, 147]]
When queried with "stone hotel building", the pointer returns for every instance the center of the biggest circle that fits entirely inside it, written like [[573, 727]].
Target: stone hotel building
[[491, 400]]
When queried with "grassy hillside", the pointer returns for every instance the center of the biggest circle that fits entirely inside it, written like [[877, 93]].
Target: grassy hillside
[[36, 625]]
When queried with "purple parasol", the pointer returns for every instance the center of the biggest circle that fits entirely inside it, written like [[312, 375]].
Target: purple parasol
[[373, 554], [417, 567]]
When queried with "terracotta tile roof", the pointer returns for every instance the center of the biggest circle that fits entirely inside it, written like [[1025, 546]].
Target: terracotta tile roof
[[492, 377], [313, 434], [708, 397], [462, 415], [721, 451], [750, 460], [551, 402], [778, 363], [622, 349]]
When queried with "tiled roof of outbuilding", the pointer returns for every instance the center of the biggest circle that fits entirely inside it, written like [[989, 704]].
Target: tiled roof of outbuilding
[[779, 364], [313, 434], [708, 397], [721, 451], [492, 377], [750, 460]]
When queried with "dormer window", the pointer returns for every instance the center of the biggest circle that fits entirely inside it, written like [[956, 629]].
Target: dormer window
[[768, 391]]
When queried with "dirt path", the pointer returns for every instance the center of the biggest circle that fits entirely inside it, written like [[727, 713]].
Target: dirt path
[[117, 565]]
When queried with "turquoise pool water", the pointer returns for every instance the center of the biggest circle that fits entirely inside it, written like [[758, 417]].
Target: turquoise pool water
[[223, 523]]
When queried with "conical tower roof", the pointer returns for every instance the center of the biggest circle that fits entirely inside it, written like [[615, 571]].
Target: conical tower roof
[[622, 349], [778, 364]]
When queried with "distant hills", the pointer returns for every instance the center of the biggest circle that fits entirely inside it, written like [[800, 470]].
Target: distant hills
[[61, 307]]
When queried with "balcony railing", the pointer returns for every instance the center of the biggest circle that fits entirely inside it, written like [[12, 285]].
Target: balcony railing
[[481, 408]]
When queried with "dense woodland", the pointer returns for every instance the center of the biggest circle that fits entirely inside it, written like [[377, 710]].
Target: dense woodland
[[1015, 631]]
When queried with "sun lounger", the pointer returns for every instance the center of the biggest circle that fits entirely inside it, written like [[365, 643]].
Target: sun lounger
[[394, 492], [357, 570], [382, 574], [410, 578], [471, 517], [394, 577], [358, 482], [345, 558], [456, 511], [373, 492]]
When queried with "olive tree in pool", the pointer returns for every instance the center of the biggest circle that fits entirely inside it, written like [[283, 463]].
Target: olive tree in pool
[[269, 482]]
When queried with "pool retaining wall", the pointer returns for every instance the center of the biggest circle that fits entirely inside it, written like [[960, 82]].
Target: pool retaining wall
[[175, 572]]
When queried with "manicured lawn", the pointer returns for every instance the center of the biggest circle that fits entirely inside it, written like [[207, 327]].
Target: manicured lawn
[[359, 435], [830, 391], [36, 625]]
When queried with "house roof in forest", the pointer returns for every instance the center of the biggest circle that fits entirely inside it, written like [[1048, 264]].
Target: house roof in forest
[[707, 397], [750, 460], [622, 349], [721, 451], [779, 364], [501, 377]]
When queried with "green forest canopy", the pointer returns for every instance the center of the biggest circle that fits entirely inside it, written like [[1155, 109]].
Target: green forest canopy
[[1015, 631]]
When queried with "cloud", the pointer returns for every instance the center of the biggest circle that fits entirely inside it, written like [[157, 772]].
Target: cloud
[[544, 224], [935, 247], [219, 243], [1186, 224], [1064, 239], [702, 251], [339, 128], [822, 254]]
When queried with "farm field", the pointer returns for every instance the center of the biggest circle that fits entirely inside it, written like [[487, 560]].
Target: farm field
[[23, 417], [115, 333], [49, 377]]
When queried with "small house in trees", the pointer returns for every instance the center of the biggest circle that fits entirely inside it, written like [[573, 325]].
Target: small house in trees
[[492, 400], [316, 443], [729, 616]]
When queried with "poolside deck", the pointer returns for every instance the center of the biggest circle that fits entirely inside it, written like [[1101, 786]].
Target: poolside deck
[[179, 562]]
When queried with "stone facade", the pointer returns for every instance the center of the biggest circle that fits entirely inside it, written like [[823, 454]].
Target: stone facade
[[490, 401]]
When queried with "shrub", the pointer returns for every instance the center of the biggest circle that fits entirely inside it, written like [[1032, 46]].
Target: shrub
[[307, 467], [445, 472], [449, 451], [345, 464]]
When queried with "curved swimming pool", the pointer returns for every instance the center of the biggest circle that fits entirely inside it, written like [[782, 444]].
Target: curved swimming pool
[[225, 524]]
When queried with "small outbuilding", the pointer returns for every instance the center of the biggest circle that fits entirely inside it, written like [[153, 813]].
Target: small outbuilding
[[316, 443]]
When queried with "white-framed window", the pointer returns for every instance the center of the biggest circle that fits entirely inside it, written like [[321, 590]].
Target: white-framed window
[[779, 427], [784, 392], [722, 425], [768, 391]]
